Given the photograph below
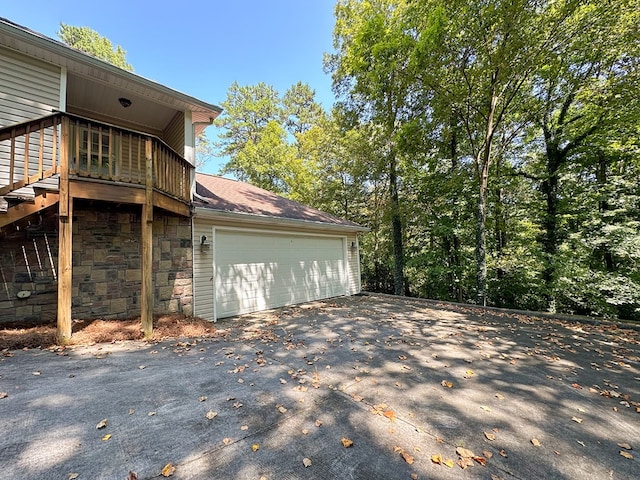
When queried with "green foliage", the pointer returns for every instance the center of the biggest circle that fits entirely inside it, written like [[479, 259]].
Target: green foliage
[[91, 42]]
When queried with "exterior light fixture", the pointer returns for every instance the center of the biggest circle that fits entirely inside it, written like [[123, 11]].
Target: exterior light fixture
[[125, 102]]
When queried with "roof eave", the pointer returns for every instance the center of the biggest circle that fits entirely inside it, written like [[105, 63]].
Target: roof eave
[[266, 220], [72, 55]]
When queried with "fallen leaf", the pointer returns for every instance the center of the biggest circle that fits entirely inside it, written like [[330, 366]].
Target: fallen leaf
[[101, 424], [255, 447], [503, 453], [446, 383], [226, 440], [390, 414], [168, 470], [465, 452], [437, 458], [73, 476], [211, 414], [465, 462], [282, 409], [490, 436], [407, 458], [346, 443], [106, 437], [132, 475], [626, 454], [37, 372], [576, 419], [306, 462], [237, 405], [131, 411], [625, 445], [576, 385], [535, 442], [485, 408], [4, 394], [499, 396], [481, 460], [414, 476], [244, 427], [202, 398], [449, 463], [318, 423], [487, 454], [151, 414], [469, 373]]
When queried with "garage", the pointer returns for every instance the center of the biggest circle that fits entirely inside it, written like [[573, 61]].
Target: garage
[[254, 250], [260, 270]]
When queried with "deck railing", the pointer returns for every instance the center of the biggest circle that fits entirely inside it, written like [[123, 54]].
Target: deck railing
[[30, 153]]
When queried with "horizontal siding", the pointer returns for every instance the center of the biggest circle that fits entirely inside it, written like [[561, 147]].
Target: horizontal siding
[[173, 135], [28, 89], [203, 271], [353, 256]]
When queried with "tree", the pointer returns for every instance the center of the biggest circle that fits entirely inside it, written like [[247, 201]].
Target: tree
[[91, 42], [369, 71]]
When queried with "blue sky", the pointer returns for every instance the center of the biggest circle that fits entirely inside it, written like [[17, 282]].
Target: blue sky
[[201, 48]]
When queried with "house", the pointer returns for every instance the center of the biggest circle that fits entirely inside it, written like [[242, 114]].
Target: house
[[103, 215]]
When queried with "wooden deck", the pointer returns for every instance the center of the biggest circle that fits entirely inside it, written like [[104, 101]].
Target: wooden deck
[[84, 159]]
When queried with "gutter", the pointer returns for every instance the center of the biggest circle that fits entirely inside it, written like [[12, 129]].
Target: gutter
[[266, 220]]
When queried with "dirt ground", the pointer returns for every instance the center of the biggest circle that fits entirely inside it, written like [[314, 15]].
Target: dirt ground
[[89, 332]]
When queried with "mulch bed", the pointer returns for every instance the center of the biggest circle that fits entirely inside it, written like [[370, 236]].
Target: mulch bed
[[86, 332]]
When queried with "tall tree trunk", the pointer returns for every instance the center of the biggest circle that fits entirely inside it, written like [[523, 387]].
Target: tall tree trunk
[[396, 227], [555, 159], [481, 236], [603, 206], [454, 241], [482, 169]]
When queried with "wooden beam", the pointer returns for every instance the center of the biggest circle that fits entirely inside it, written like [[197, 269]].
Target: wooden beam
[[64, 167], [25, 209], [147, 246], [171, 204], [65, 268], [107, 191]]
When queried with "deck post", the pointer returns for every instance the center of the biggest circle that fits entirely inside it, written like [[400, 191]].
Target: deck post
[[147, 245], [65, 241]]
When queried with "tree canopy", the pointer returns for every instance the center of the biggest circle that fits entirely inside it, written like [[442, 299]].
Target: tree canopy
[[91, 42]]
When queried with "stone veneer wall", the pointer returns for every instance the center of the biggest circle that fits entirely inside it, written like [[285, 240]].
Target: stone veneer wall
[[106, 265]]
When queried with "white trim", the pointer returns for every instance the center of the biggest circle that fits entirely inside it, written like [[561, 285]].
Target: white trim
[[358, 263], [214, 242], [277, 232], [62, 106], [345, 266], [213, 215]]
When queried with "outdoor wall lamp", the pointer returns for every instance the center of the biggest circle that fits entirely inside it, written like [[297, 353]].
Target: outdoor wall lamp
[[203, 242]]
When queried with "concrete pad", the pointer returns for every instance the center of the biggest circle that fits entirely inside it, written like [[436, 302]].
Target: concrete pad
[[290, 384]]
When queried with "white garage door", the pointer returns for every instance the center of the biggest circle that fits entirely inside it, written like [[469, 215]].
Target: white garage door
[[256, 271]]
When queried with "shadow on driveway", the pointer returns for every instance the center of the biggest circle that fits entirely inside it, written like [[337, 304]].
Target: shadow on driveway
[[408, 382]]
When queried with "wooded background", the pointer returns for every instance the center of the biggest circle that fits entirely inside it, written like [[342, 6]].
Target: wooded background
[[492, 147]]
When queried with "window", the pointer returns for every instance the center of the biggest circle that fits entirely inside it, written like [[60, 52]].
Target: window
[[93, 151]]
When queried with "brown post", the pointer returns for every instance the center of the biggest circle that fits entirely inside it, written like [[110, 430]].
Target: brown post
[[147, 245], [65, 241]]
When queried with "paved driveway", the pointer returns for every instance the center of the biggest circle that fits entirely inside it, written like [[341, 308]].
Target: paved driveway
[[402, 382]]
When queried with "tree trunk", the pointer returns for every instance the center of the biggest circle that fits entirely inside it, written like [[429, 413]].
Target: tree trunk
[[555, 159], [481, 236], [396, 227]]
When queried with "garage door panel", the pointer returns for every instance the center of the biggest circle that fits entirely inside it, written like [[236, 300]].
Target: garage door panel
[[256, 271]]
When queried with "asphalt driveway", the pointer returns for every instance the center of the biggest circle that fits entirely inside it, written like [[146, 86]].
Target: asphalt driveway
[[369, 387]]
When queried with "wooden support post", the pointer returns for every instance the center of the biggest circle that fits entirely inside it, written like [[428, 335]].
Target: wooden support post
[[147, 245], [65, 241]]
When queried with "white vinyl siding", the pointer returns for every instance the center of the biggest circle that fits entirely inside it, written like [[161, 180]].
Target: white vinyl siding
[[203, 271], [257, 271], [353, 255], [29, 89], [173, 135]]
